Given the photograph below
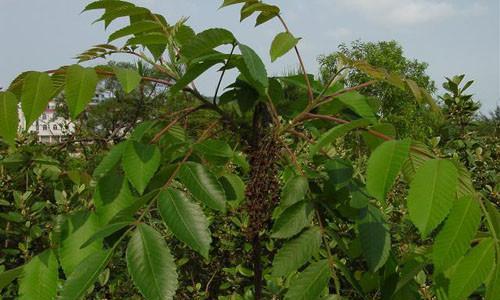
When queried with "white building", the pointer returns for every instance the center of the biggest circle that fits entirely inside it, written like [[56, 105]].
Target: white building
[[51, 128]]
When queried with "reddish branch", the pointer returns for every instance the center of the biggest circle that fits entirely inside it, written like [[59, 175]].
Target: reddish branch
[[310, 116], [344, 91]]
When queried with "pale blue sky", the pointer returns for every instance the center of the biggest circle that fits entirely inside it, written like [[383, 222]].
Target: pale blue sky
[[453, 36]]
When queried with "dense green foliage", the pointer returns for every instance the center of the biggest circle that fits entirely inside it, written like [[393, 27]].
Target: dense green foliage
[[396, 106], [281, 187]]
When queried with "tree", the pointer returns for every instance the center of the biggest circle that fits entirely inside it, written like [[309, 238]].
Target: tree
[[258, 194], [396, 106]]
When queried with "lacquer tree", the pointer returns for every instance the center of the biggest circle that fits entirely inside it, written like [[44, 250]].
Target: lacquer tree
[[327, 218]]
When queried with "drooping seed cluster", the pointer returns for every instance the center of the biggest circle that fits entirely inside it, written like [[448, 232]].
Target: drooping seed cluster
[[263, 190]]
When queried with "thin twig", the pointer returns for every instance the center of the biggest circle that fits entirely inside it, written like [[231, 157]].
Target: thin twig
[[331, 262], [222, 75], [301, 62], [157, 137], [293, 158], [342, 92]]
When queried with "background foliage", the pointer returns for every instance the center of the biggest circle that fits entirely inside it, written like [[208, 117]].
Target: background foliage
[[354, 184]]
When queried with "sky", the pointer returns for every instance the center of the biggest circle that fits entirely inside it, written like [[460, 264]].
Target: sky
[[452, 36]]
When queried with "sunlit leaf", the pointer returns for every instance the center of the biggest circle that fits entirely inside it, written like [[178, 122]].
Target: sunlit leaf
[[140, 162], [39, 278], [134, 28], [151, 265], [472, 270], [431, 194], [36, 94], [78, 283], [80, 88], [112, 194], [75, 231], [282, 43], [206, 41], [459, 229], [9, 119], [186, 220], [109, 161], [384, 166], [128, 78], [295, 253], [203, 185]]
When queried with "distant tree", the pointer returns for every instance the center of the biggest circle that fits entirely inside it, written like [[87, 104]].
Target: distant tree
[[118, 111], [396, 106], [490, 124]]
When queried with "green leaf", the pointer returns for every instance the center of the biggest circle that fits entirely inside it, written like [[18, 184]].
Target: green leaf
[[300, 82], [111, 15], [232, 2], [128, 78], [206, 41], [373, 141], [493, 286], [281, 44], [105, 232], [295, 190], [86, 273], [431, 194], [80, 88], [250, 8], [214, 148], [264, 17], [254, 65], [417, 158], [140, 162], [193, 72], [295, 253], [112, 195], [472, 270], [39, 278], [414, 88], [150, 39], [75, 231], [9, 119], [359, 104], [340, 172], [107, 4], [384, 166], [292, 220], [109, 161], [459, 229], [203, 185], [494, 215], [234, 187], [465, 186], [134, 28], [127, 213], [374, 236], [36, 94], [151, 265], [336, 132], [10, 275], [310, 283], [186, 220]]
